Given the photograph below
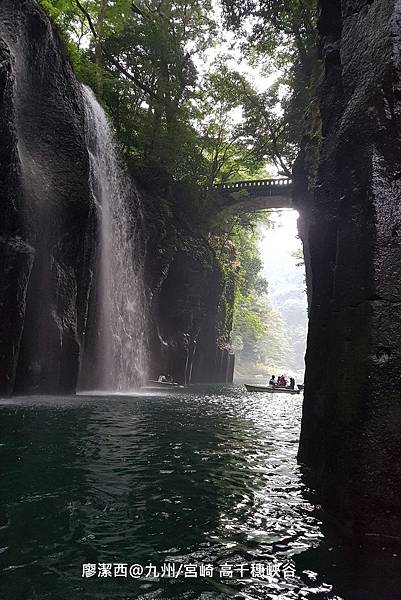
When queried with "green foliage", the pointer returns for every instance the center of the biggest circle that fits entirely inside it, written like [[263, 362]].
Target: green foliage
[[219, 104], [239, 257], [285, 29], [141, 58], [246, 241], [280, 36], [197, 129]]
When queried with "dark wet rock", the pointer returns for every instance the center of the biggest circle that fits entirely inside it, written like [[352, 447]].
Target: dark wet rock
[[45, 205], [188, 295], [351, 429], [16, 260]]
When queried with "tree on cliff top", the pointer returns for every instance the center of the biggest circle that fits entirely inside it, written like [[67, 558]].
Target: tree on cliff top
[[140, 59], [279, 36]]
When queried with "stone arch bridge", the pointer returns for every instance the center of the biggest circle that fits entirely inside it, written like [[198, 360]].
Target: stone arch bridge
[[254, 196]]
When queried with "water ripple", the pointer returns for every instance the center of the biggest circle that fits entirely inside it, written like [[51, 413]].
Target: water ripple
[[201, 476]]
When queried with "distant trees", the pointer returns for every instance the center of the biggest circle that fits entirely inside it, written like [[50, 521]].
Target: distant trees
[[259, 337]]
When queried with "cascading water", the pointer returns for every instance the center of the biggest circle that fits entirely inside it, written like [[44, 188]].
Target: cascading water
[[118, 350]]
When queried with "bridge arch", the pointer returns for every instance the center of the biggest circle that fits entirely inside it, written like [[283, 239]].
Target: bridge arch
[[254, 196], [264, 194]]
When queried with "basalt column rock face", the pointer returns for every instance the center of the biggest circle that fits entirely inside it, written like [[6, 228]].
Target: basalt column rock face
[[45, 225], [351, 428]]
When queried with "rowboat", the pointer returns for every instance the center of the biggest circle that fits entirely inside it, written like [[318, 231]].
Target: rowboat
[[152, 383], [269, 388]]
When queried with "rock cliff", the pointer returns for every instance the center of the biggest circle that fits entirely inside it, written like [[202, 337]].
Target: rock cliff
[[190, 297], [351, 428], [48, 232], [44, 204]]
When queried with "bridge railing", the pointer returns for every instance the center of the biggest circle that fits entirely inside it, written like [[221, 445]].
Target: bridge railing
[[256, 184]]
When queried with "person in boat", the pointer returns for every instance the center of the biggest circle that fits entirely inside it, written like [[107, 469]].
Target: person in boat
[[169, 379], [292, 383], [272, 381], [162, 379], [282, 382]]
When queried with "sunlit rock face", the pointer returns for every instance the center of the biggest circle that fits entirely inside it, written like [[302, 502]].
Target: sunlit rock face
[[351, 429], [45, 206]]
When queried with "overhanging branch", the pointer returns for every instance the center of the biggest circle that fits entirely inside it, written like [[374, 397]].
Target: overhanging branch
[[87, 17], [139, 84]]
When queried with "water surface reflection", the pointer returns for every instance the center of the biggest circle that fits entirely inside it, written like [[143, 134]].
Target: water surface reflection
[[207, 475]]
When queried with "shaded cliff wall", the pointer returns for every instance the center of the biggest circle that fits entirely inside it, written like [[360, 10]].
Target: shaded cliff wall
[[190, 297], [351, 427], [45, 206]]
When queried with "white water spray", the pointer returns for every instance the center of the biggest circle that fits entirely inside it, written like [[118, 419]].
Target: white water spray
[[119, 348]]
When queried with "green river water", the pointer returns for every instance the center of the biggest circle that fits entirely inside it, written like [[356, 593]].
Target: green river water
[[199, 487]]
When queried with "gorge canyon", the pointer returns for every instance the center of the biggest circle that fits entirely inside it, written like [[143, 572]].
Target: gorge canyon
[[54, 264]]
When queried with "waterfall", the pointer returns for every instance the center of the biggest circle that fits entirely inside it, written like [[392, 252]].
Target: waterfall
[[118, 346]]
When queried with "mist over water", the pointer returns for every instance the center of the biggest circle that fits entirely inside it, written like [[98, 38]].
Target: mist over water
[[119, 348], [282, 254]]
